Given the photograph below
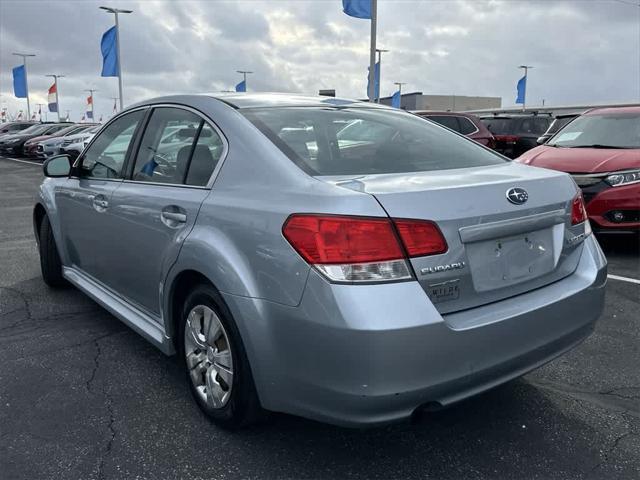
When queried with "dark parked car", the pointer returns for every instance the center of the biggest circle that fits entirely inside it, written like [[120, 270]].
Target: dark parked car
[[10, 128], [558, 123], [14, 144], [464, 123], [517, 133]]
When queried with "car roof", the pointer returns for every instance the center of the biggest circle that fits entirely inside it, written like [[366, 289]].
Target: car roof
[[611, 110], [438, 112], [268, 99]]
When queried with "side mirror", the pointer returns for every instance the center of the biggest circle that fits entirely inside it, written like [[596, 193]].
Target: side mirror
[[57, 166], [542, 140]]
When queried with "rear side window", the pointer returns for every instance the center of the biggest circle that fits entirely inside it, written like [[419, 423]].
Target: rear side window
[[448, 121], [467, 127], [105, 157], [365, 141], [178, 147]]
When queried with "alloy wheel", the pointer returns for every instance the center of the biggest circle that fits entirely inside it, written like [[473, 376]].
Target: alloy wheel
[[208, 356]]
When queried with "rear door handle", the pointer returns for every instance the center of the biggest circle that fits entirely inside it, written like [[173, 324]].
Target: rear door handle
[[175, 216]]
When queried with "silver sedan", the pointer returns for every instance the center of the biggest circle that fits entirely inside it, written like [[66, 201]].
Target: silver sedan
[[337, 260]]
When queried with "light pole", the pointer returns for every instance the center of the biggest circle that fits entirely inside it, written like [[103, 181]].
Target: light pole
[[372, 51], [93, 109], [116, 11], [399, 84], [524, 97], [55, 82], [379, 51], [26, 83], [244, 76]]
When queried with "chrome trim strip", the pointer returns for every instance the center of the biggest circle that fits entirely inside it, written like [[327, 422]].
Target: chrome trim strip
[[505, 228]]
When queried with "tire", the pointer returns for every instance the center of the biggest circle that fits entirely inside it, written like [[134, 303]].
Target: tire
[[50, 263], [230, 408]]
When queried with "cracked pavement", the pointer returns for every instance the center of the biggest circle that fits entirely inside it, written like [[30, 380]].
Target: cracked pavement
[[84, 397]]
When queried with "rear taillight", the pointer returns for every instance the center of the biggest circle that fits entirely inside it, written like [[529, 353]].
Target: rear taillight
[[578, 210], [508, 139], [361, 249], [420, 237]]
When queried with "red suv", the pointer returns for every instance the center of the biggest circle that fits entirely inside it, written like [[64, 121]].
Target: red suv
[[468, 125], [601, 150]]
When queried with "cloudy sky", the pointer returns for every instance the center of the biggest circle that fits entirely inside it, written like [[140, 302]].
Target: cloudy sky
[[583, 50]]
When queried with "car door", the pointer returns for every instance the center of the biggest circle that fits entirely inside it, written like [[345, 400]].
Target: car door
[[88, 238], [156, 206]]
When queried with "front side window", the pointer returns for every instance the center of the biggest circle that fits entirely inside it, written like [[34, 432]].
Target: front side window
[[105, 157], [365, 141], [615, 130]]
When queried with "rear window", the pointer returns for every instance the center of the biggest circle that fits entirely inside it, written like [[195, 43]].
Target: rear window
[[534, 125], [363, 141], [499, 126]]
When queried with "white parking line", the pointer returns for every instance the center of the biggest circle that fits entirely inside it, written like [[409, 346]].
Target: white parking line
[[22, 161], [624, 279]]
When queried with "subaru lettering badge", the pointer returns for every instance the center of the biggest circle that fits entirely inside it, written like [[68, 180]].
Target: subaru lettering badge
[[517, 196]]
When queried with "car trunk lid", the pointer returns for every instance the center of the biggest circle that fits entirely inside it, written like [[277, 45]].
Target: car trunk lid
[[496, 249]]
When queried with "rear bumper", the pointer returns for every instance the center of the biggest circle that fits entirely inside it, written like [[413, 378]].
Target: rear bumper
[[612, 199], [367, 355]]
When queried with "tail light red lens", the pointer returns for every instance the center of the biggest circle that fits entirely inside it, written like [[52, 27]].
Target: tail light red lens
[[361, 249], [578, 210], [327, 239], [508, 139], [420, 237]]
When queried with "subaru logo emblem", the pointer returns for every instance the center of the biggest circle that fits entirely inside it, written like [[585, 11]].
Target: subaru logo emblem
[[517, 196]]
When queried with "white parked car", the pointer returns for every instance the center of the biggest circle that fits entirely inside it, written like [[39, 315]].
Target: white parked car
[[74, 144]]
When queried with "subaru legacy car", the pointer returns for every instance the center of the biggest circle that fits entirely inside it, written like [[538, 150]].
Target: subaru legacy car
[[293, 269], [601, 150]]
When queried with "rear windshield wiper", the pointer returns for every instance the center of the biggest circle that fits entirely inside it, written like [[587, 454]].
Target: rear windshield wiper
[[598, 145]]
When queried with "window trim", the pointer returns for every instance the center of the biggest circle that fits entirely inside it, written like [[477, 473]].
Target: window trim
[[136, 135], [130, 162]]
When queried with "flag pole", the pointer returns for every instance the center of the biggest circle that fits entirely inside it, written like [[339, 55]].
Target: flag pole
[[116, 11], [372, 51]]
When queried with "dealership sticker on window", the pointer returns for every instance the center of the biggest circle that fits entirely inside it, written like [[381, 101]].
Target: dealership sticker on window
[[568, 136]]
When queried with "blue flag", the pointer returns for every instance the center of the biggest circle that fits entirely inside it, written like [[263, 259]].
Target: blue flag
[[522, 88], [357, 8], [396, 99], [241, 87], [109, 48], [19, 82], [376, 76]]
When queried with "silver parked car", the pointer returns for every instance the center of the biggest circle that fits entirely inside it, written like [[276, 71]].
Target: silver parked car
[[294, 267]]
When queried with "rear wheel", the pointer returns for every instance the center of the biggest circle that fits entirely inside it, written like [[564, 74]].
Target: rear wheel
[[50, 263], [215, 361]]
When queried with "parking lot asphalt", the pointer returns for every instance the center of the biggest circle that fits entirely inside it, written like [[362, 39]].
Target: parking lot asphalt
[[83, 396]]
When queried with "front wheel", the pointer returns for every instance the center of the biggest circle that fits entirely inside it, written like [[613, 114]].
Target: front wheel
[[215, 361], [50, 263]]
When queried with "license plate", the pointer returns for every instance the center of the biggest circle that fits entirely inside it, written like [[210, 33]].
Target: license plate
[[502, 262]]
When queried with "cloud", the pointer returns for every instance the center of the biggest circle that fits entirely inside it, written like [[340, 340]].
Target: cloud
[[582, 51]]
